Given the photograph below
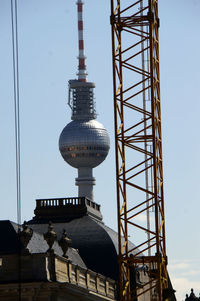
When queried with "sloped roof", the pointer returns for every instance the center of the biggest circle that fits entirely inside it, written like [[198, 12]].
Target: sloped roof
[[10, 243], [82, 220], [97, 243]]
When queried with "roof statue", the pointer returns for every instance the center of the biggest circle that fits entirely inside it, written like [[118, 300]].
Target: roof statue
[[192, 296]]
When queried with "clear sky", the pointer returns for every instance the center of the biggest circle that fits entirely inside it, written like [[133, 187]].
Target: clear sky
[[47, 58]]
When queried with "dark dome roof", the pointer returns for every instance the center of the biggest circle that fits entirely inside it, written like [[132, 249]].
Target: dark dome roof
[[97, 244]]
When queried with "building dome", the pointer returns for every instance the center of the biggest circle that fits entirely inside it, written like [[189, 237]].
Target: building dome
[[84, 143], [81, 218]]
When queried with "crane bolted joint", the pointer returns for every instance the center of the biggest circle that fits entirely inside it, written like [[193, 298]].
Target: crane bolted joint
[[158, 22], [168, 293], [118, 24], [112, 19], [150, 16]]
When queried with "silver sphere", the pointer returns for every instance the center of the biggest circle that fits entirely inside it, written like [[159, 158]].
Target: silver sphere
[[84, 143]]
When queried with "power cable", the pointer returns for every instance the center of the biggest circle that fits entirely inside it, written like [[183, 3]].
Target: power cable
[[15, 55], [16, 103]]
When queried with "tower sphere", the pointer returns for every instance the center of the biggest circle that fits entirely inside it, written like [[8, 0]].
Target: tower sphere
[[84, 143]]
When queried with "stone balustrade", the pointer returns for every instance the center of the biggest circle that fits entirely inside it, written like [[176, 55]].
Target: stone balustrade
[[78, 201], [52, 268], [85, 278], [65, 209]]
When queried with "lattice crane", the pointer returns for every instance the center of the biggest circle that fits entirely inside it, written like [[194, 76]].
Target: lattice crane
[[138, 144]]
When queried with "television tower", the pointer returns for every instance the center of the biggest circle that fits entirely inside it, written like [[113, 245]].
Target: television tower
[[84, 142]]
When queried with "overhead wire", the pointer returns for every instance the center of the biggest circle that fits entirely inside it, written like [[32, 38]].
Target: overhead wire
[[15, 56]]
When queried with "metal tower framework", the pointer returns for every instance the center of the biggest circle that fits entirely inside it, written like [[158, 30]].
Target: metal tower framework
[[135, 44]]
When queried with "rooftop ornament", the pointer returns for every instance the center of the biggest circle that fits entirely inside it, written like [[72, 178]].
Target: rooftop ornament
[[65, 242], [192, 296], [25, 236], [50, 236]]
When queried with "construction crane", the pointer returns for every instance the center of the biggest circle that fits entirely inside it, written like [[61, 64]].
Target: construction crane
[[138, 145]]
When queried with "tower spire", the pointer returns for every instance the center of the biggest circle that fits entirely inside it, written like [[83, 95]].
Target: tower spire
[[82, 73]]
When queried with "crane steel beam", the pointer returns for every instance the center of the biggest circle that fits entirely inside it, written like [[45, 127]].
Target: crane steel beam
[[138, 145]]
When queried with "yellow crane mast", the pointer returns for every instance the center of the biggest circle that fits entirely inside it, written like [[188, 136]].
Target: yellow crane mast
[[138, 144]]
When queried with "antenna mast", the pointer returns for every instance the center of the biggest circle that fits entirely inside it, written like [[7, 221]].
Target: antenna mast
[[82, 74]]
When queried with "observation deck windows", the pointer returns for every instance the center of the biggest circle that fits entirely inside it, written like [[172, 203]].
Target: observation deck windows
[[77, 148]]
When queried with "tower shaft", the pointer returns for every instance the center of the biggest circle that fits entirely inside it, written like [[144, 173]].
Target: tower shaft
[[135, 48], [85, 183]]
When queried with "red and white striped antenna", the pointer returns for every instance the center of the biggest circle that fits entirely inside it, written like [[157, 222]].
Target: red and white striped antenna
[[82, 73]]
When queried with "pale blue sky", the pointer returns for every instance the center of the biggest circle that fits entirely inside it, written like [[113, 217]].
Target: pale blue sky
[[48, 51]]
